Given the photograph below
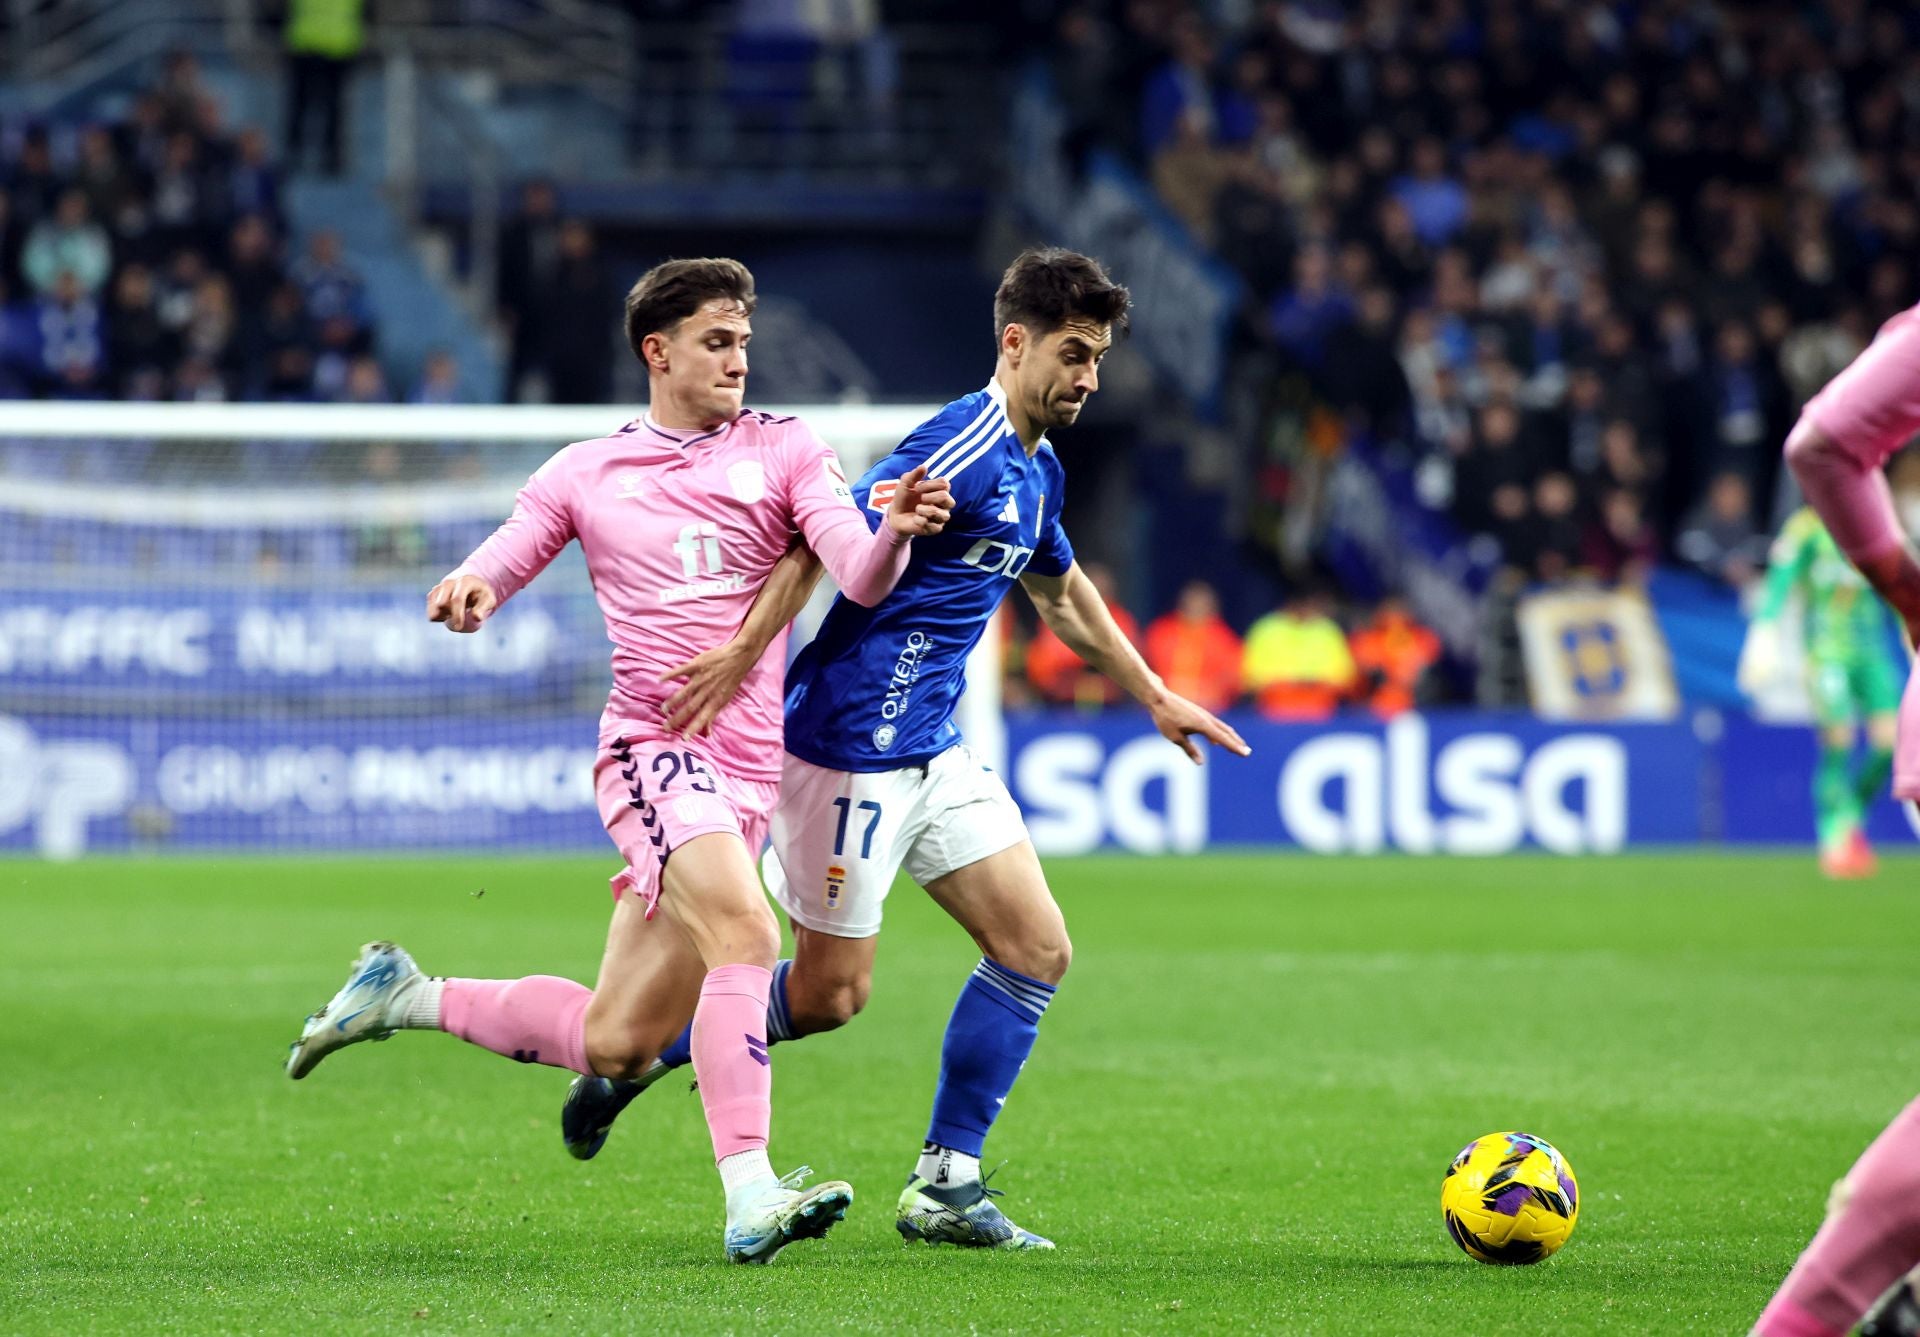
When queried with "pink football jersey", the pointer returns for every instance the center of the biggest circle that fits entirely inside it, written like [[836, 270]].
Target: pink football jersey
[[680, 530]]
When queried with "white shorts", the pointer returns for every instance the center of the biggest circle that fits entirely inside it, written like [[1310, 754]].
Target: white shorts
[[840, 836]]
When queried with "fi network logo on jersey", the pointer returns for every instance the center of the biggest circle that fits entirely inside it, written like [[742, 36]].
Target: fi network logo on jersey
[[696, 542]]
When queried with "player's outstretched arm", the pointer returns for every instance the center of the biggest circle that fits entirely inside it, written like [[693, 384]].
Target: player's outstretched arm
[[512, 555], [868, 563], [462, 602], [710, 680], [1079, 617]]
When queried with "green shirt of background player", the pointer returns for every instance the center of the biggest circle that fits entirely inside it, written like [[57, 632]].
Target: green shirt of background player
[[1852, 675]]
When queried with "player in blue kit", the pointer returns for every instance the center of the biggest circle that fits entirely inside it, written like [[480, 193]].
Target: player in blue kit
[[876, 776]]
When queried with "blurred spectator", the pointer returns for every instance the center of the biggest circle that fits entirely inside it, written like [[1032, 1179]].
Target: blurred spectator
[[1195, 651], [323, 38], [529, 264], [439, 380], [1364, 376], [67, 243], [1392, 656], [1436, 202], [72, 341], [366, 383], [333, 288], [578, 315], [1305, 317], [337, 345], [113, 191], [1720, 538], [208, 335], [1748, 423], [1621, 544], [1061, 676], [184, 206], [1297, 664], [255, 184], [1189, 173], [1180, 90], [253, 270], [138, 345]]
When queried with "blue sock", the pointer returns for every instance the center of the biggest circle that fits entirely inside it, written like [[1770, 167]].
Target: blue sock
[[779, 1024], [989, 1037]]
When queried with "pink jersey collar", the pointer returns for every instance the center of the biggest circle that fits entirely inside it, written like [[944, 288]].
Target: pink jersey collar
[[683, 436]]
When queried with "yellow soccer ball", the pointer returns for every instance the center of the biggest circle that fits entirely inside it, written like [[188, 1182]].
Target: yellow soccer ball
[[1510, 1198]]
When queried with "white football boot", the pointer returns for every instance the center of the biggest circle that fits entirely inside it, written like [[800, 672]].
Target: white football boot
[[370, 1006], [785, 1213]]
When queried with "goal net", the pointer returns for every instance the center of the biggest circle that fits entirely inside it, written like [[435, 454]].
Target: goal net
[[212, 632]]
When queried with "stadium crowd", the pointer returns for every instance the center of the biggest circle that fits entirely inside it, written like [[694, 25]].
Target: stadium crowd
[[148, 257], [1576, 262]]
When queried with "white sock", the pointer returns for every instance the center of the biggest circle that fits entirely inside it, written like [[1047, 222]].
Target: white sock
[[943, 1166], [745, 1175], [422, 1012]]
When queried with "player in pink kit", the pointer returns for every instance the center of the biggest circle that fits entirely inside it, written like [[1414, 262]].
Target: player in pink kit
[[1837, 451], [682, 515]]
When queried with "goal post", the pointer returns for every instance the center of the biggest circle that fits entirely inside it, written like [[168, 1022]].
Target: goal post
[[211, 628]]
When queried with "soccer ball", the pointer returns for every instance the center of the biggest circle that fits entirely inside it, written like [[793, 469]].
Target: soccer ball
[[1509, 1198]]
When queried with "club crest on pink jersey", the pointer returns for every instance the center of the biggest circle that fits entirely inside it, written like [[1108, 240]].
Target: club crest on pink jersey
[[748, 480]]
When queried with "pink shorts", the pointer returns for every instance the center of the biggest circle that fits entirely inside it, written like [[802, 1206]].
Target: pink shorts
[[658, 793], [1872, 408]]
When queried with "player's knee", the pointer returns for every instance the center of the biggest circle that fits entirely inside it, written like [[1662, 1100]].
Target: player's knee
[[1040, 956], [746, 934], [1806, 444], [618, 1051], [828, 1006]]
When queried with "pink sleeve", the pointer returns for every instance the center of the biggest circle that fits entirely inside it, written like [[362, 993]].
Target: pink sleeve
[[532, 536], [865, 564]]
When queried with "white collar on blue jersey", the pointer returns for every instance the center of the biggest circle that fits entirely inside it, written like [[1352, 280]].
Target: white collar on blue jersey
[[999, 394]]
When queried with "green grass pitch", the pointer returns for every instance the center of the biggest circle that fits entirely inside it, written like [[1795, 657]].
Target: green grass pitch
[[1236, 1119]]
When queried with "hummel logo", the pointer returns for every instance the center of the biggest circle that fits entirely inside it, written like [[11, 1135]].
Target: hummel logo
[[629, 485], [1011, 514], [757, 1050]]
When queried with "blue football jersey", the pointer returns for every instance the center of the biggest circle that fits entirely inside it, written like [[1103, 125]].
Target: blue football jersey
[[876, 689]]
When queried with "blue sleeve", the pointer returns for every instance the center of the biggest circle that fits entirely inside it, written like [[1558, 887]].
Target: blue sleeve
[[1052, 553], [973, 488], [874, 491]]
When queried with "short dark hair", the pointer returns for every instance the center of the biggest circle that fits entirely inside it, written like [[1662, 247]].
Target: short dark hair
[[670, 292], [1046, 286]]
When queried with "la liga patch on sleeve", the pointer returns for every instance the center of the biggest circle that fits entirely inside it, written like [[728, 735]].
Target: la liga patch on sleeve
[[837, 479]]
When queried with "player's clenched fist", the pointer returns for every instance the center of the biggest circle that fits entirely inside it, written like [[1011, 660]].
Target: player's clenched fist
[[462, 602], [921, 506]]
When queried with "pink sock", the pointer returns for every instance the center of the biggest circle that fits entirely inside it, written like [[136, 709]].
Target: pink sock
[[730, 1058], [1863, 1248], [539, 1019], [1850, 494]]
